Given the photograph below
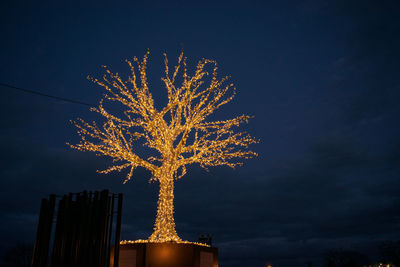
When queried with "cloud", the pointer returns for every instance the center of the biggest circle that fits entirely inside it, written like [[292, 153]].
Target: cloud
[[324, 204], [325, 94]]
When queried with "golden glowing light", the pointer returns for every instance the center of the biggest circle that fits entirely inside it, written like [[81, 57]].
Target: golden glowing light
[[179, 133], [141, 241]]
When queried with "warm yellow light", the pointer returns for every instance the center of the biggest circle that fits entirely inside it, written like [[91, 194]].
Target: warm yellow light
[[178, 133], [124, 242]]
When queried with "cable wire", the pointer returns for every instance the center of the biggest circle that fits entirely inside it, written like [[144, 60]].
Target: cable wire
[[46, 95]]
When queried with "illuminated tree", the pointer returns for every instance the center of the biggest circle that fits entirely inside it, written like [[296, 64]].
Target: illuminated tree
[[179, 133]]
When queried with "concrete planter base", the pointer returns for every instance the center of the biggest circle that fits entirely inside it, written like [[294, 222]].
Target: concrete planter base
[[167, 255]]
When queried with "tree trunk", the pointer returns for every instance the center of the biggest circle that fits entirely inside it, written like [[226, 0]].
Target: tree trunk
[[164, 226]]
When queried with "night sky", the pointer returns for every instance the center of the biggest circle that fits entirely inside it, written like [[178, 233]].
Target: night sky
[[322, 79]]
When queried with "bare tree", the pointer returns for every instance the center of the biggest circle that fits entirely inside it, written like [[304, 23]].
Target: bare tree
[[179, 133], [390, 252], [345, 258]]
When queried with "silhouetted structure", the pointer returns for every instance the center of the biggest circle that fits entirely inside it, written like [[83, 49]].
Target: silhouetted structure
[[205, 239], [18, 256], [84, 230], [345, 258], [390, 252]]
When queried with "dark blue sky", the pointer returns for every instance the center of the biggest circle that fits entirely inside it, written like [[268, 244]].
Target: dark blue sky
[[321, 78]]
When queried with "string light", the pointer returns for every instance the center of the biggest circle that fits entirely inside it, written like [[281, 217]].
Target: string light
[[179, 132], [141, 241]]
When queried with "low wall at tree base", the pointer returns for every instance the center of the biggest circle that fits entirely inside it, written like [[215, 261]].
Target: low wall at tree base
[[167, 255]]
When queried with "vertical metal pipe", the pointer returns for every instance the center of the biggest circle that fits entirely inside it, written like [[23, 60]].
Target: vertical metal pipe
[[37, 258], [118, 231], [110, 227], [43, 235], [103, 223]]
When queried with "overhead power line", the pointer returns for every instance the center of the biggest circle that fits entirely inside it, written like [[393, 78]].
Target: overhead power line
[[46, 95]]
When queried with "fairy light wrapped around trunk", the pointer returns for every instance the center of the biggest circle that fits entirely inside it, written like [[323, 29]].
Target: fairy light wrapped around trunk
[[179, 133]]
